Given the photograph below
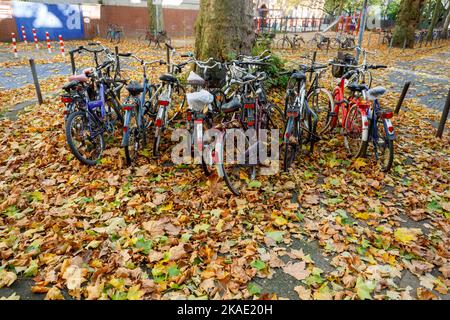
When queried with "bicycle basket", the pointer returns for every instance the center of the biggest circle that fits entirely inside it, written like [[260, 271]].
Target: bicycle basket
[[343, 58], [215, 77]]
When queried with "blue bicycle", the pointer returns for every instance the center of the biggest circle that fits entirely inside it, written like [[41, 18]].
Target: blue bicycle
[[86, 127]]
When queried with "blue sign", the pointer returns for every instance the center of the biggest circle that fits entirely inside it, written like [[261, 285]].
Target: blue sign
[[56, 19]]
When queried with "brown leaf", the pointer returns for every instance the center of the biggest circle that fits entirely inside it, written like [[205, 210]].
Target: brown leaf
[[297, 270]]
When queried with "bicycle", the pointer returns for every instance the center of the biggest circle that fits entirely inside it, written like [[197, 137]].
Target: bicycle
[[319, 41], [114, 33], [256, 113], [139, 111], [343, 42], [302, 118], [156, 37], [379, 130], [166, 98], [287, 42], [85, 128], [73, 97]]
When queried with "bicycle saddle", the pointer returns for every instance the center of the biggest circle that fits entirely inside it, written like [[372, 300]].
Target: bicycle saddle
[[79, 78], [248, 77], [168, 77], [135, 88], [377, 92], [67, 87], [299, 76], [233, 105], [195, 80], [355, 87]]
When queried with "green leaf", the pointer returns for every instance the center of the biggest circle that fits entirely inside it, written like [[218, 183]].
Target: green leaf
[[185, 237], [254, 184], [258, 264], [201, 227], [254, 289], [276, 236], [32, 269], [434, 206], [145, 245], [364, 288], [173, 271]]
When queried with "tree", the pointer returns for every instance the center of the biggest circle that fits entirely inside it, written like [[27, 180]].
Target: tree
[[155, 14], [407, 20], [438, 8], [446, 23], [224, 29]]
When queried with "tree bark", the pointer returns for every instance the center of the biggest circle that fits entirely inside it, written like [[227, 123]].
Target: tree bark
[[434, 19], [224, 29], [407, 21], [155, 14], [446, 23]]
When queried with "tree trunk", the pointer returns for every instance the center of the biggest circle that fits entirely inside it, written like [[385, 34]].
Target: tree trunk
[[407, 20], [434, 19], [155, 14], [446, 23], [224, 29]]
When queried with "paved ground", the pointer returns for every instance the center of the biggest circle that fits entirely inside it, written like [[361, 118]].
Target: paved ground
[[430, 79]]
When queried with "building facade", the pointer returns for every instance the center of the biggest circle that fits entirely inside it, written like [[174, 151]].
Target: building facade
[[95, 16]]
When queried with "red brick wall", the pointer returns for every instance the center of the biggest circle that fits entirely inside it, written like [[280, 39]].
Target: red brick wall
[[7, 22], [179, 22], [131, 19], [134, 20]]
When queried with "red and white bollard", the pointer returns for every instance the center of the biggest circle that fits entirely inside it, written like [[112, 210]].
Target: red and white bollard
[[24, 35], [35, 39], [61, 44], [47, 38], [14, 44]]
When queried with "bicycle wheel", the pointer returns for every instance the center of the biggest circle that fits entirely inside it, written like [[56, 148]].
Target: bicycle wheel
[[384, 147], [321, 102], [366, 78], [84, 141], [353, 133], [236, 166], [309, 128], [335, 44], [292, 142], [178, 99], [282, 43], [133, 139]]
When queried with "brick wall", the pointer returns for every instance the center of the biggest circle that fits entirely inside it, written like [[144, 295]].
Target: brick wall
[[7, 22], [134, 20], [179, 22]]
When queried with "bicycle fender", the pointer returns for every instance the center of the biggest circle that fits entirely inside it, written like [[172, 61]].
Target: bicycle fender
[[388, 125], [219, 159], [288, 130], [126, 133], [365, 130]]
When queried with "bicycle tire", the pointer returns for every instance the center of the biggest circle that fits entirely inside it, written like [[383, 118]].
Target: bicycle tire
[[325, 114], [132, 140], [354, 114], [70, 140], [291, 149]]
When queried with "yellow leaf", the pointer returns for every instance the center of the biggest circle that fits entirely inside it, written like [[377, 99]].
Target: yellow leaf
[[54, 294], [406, 235], [362, 215], [219, 225], [279, 221], [360, 162], [134, 293]]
